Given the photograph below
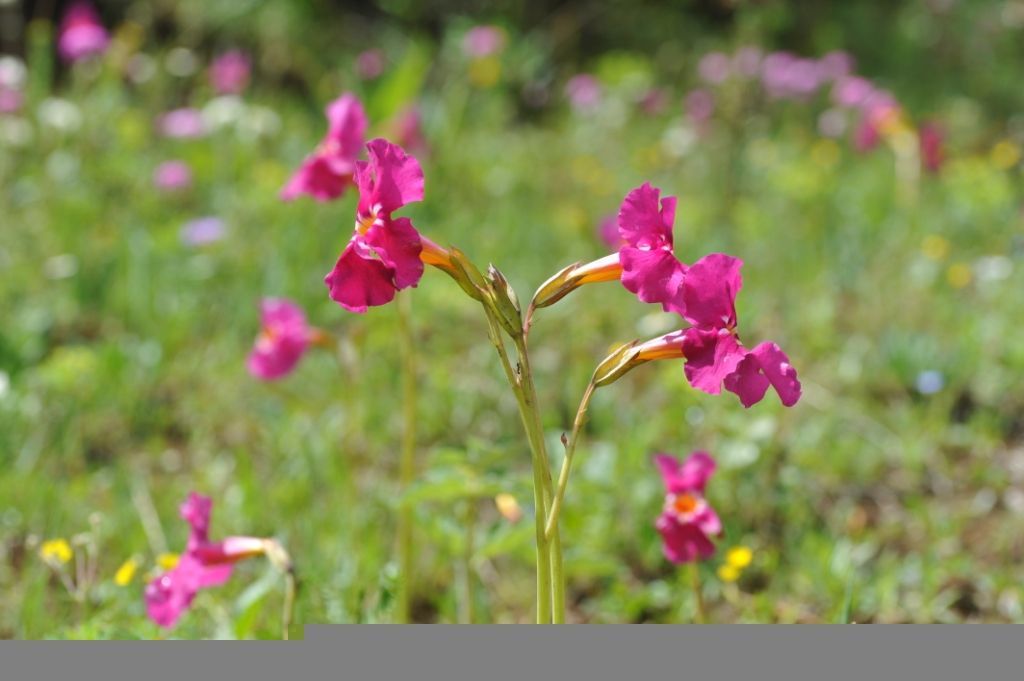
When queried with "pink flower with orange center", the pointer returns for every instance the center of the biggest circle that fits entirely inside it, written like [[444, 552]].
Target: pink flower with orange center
[[330, 169], [687, 522]]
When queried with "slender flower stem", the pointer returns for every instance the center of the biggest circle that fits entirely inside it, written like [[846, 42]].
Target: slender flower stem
[[465, 568], [289, 604], [698, 594], [518, 379], [570, 450], [407, 461]]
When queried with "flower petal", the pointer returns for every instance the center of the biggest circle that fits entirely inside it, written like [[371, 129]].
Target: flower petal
[[711, 355], [346, 125], [765, 365], [398, 244], [360, 280], [391, 179], [319, 177], [708, 521], [683, 542], [710, 289], [641, 223], [654, 276], [690, 476]]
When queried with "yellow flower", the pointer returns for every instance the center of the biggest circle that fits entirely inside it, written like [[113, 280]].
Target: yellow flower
[[739, 557], [56, 550], [125, 573], [167, 561], [1005, 154], [959, 275], [508, 507], [935, 247], [728, 573]]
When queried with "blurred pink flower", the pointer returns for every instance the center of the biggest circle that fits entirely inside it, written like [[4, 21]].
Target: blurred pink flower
[[283, 341], [230, 72], [699, 105], [851, 91], [836, 64], [203, 564], [172, 176], [370, 63], [408, 127], [687, 522], [202, 231], [786, 76], [931, 138], [183, 123], [383, 256], [483, 41], [608, 231], [654, 101], [714, 68], [328, 171], [11, 100], [584, 92], [81, 34]]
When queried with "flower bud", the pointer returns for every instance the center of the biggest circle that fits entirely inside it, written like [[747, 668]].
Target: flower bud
[[505, 301], [572, 277]]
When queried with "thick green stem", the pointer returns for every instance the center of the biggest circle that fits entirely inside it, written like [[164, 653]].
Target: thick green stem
[[407, 461]]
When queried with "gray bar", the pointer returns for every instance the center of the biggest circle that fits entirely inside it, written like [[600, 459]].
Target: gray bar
[[565, 653]]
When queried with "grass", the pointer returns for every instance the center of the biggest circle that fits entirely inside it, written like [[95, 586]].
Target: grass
[[126, 386]]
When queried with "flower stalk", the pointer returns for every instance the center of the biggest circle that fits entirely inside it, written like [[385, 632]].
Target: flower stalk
[[407, 460]]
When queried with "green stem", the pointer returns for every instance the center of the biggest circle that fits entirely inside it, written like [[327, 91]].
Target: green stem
[[407, 460], [518, 379], [466, 566], [289, 604], [698, 594], [570, 450]]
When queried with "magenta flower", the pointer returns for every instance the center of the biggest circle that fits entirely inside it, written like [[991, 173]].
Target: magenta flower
[[81, 34], [851, 91], [11, 100], [383, 256], [584, 92], [408, 127], [172, 175], [230, 72], [183, 123], [836, 64], [650, 268], [203, 564], [608, 231], [714, 355], [329, 170], [687, 522], [931, 139], [283, 341], [483, 41]]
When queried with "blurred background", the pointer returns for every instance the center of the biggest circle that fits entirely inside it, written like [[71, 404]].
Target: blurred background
[[862, 158]]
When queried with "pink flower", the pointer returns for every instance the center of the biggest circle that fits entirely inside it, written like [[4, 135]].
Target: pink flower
[[383, 256], [483, 41], [836, 64], [654, 101], [714, 68], [687, 522], [172, 176], [183, 123], [370, 63], [851, 91], [230, 72], [283, 341], [11, 100], [408, 127], [583, 91], [328, 171], [608, 231], [712, 350], [700, 105], [650, 268], [81, 33], [931, 139], [203, 564]]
